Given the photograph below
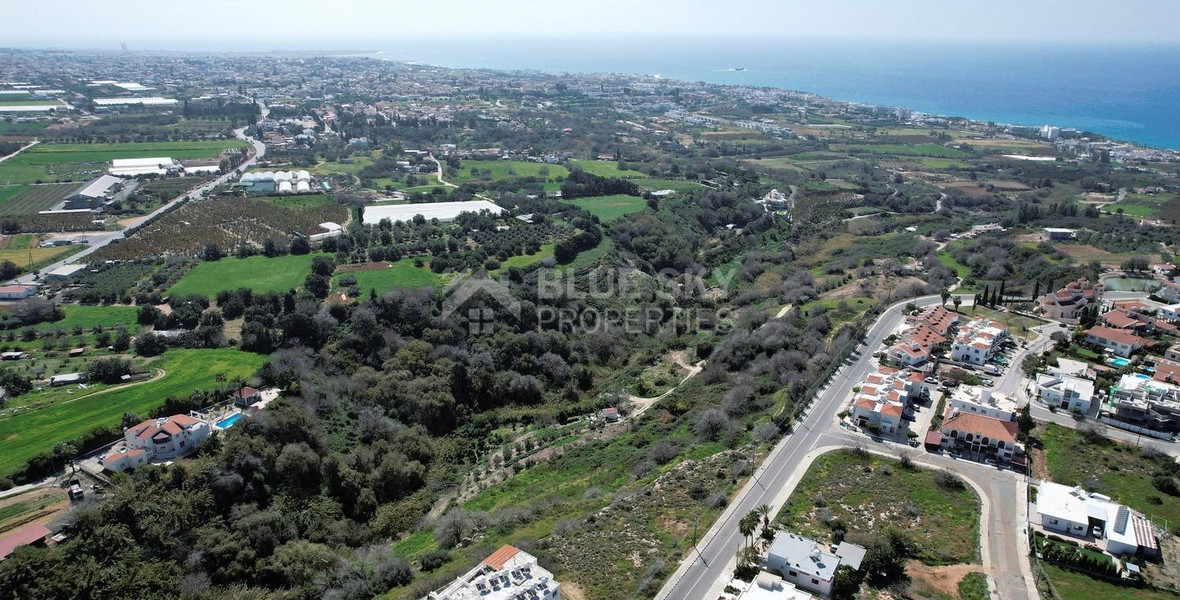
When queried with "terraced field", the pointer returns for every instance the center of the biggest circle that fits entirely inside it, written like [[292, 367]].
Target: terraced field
[[32, 199]]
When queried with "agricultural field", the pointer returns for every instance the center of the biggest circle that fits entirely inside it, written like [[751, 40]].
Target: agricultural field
[[32, 199], [609, 208], [384, 277], [258, 273], [29, 433], [24, 258], [354, 166], [226, 222], [525, 260], [869, 495], [18, 128], [677, 185], [1071, 585], [935, 150], [1144, 205], [51, 162], [604, 168], [89, 317], [499, 170]]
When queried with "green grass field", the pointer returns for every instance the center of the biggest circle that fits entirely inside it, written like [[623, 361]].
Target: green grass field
[[525, 260], [1117, 470], [6, 127], [29, 433], [259, 273], [935, 150], [300, 201], [400, 274], [49, 162], [872, 494], [500, 170], [88, 317], [604, 168], [1071, 585], [358, 162], [32, 199], [609, 208]]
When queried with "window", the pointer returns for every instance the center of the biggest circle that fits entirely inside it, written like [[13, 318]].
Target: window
[[1052, 521], [814, 581], [794, 574]]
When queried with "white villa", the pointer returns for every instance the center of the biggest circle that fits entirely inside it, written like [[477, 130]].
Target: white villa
[[1078, 513], [507, 574], [157, 439]]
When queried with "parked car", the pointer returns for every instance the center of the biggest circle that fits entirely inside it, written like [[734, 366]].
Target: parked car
[[909, 417]]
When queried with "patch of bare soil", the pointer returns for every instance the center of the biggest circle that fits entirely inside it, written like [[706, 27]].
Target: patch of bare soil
[[936, 583], [371, 266], [1166, 573]]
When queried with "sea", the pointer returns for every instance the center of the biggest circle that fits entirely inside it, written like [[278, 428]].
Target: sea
[[1125, 91]]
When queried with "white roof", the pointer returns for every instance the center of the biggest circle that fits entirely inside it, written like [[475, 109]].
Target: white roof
[[1068, 366], [65, 270], [443, 211], [202, 169], [767, 586], [154, 162], [152, 101], [30, 108], [99, 187], [805, 555]]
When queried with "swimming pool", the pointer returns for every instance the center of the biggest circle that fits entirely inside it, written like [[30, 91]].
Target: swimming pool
[[1119, 362], [229, 421]]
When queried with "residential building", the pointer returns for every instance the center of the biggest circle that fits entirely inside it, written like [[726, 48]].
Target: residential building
[[1129, 319], [925, 332], [1057, 234], [980, 401], [1167, 371], [882, 399], [1173, 353], [1139, 401], [246, 396], [1118, 342], [1077, 368], [507, 574], [803, 562], [1065, 392], [977, 340], [1091, 516], [1067, 303], [157, 439], [1169, 312], [979, 436]]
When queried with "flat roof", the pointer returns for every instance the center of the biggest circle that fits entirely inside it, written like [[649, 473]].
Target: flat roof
[[805, 555], [99, 187], [152, 101], [65, 270], [443, 211]]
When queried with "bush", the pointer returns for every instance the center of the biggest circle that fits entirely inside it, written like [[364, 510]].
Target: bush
[[1165, 484], [433, 560], [948, 480]]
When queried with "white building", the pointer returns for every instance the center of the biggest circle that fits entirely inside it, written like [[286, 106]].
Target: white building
[[1065, 392], [976, 400], [156, 439], [977, 340], [131, 167], [807, 563], [443, 211], [507, 574], [1078, 513]]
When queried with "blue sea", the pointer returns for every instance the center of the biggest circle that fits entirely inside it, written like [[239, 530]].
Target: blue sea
[[1128, 92]]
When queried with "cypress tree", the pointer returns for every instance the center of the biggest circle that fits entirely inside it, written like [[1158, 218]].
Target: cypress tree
[[985, 295]]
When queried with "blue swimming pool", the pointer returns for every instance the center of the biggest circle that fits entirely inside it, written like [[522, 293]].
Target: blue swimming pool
[[1119, 362], [229, 421]]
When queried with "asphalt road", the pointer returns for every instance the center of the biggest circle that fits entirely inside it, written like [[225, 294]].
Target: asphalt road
[[97, 240], [704, 573]]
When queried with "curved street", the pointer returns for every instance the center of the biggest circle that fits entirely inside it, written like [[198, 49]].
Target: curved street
[[1004, 546]]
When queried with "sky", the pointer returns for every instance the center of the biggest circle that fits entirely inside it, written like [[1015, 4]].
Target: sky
[[363, 24]]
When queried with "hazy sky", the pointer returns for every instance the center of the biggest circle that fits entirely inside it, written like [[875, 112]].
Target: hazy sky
[[358, 24]]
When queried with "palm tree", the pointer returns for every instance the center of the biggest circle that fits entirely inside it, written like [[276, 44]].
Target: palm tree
[[957, 302], [747, 525], [946, 295], [763, 511]]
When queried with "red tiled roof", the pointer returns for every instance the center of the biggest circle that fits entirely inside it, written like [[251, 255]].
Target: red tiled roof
[[500, 557], [245, 392], [1120, 319], [171, 426], [985, 426], [1167, 371], [1115, 335], [934, 438], [22, 536], [866, 403], [891, 409]]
